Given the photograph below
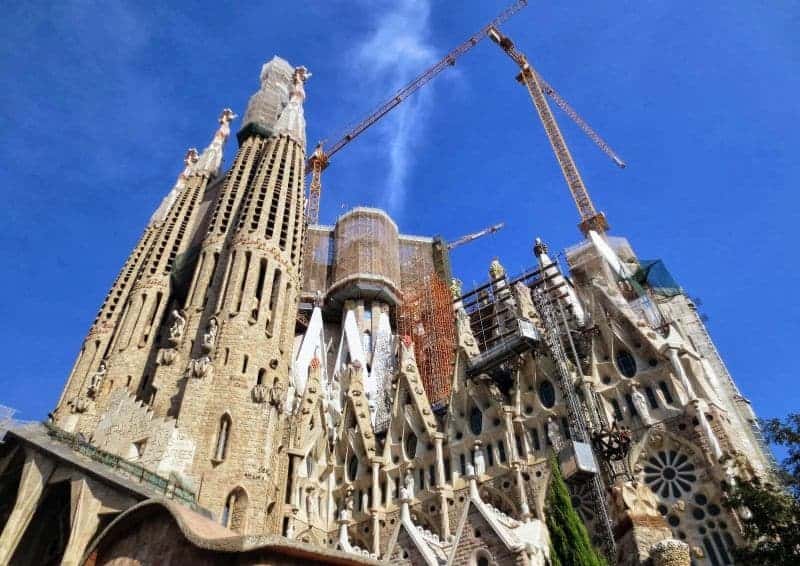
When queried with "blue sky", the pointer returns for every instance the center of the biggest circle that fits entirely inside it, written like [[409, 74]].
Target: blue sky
[[100, 101]]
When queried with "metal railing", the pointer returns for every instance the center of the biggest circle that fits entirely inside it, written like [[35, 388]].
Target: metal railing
[[130, 469]]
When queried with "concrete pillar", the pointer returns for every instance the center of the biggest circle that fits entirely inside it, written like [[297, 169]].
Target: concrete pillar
[[437, 447], [445, 514], [84, 519], [35, 473], [375, 506]]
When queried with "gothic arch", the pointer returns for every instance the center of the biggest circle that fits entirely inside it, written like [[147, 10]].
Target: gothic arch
[[234, 511], [222, 440]]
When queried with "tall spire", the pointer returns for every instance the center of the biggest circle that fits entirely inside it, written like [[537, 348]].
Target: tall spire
[[211, 158], [163, 209], [292, 120]]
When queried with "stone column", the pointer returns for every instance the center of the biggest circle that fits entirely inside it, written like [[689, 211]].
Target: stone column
[[35, 473], [85, 518], [437, 446], [376, 504]]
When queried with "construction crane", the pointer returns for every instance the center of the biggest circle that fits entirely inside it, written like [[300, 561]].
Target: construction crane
[[475, 235], [320, 159], [591, 219]]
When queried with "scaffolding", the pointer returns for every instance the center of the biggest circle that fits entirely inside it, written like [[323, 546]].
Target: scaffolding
[[366, 250], [426, 315]]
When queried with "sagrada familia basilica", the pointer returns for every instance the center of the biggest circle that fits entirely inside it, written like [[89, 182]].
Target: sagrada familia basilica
[[260, 389]]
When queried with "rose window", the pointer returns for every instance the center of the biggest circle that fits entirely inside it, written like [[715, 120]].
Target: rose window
[[669, 473], [581, 496]]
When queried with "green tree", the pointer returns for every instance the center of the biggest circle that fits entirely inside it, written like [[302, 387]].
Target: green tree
[[772, 517], [569, 541]]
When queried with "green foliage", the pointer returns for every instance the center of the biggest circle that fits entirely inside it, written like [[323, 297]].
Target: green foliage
[[569, 541], [771, 523]]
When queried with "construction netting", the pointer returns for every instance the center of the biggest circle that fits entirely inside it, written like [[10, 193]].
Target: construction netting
[[366, 246], [318, 260], [654, 275], [426, 315], [416, 260]]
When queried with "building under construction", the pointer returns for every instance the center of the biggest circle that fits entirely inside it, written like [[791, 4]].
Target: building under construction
[[258, 388]]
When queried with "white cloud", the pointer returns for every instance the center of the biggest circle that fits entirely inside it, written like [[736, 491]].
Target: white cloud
[[396, 51]]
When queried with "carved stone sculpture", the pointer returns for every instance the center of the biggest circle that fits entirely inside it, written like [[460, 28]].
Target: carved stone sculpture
[[496, 270], [407, 489], [277, 394], [640, 403], [97, 379], [79, 405], [554, 433], [260, 393], [210, 335], [200, 368], [177, 327]]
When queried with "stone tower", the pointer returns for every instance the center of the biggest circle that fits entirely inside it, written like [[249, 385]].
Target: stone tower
[[196, 334]]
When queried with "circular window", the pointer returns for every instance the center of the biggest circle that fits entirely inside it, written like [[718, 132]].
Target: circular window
[[547, 394], [626, 363], [475, 421], [411, 445], [352, 468], [669, 473]]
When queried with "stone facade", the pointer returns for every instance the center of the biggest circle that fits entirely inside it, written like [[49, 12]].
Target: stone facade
[[289, 378]]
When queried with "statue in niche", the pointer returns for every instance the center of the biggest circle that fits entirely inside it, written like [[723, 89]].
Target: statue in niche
[[210, 335], [277, 394], [365, 503], [347, 506], [97, 379], [310, 501], [407, 489], [178, 325], [480, 462], [200, 368], [639, 401], [554, 433]]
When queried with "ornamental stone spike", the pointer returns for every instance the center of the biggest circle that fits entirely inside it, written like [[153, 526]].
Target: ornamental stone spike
[[211, 158]]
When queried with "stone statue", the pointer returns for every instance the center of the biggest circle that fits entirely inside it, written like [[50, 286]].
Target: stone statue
[[310, 502], [640, 403], [635, 498], [365, 502], [97, 379], [407, 489], [496, 270], [480, 462], [455, 288], [210, 335], [200, 368], [554, 433], [277, 394], [178, 325]]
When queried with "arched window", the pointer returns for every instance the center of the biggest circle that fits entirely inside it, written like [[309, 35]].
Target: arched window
[[626, 363], [411, 445], [223, 435], [547, 394], [476, 421], [352, 468], [481, 558], [234, 512]]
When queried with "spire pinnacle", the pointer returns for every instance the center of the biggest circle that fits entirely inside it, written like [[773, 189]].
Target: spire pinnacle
[[211, 158], [292, 120], [189, 161]]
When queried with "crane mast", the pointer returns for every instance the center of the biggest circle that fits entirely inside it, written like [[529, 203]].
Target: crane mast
[[591, 219], [320, 159]]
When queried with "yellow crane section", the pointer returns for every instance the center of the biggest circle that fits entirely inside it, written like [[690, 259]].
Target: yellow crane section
[[591, 219]]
